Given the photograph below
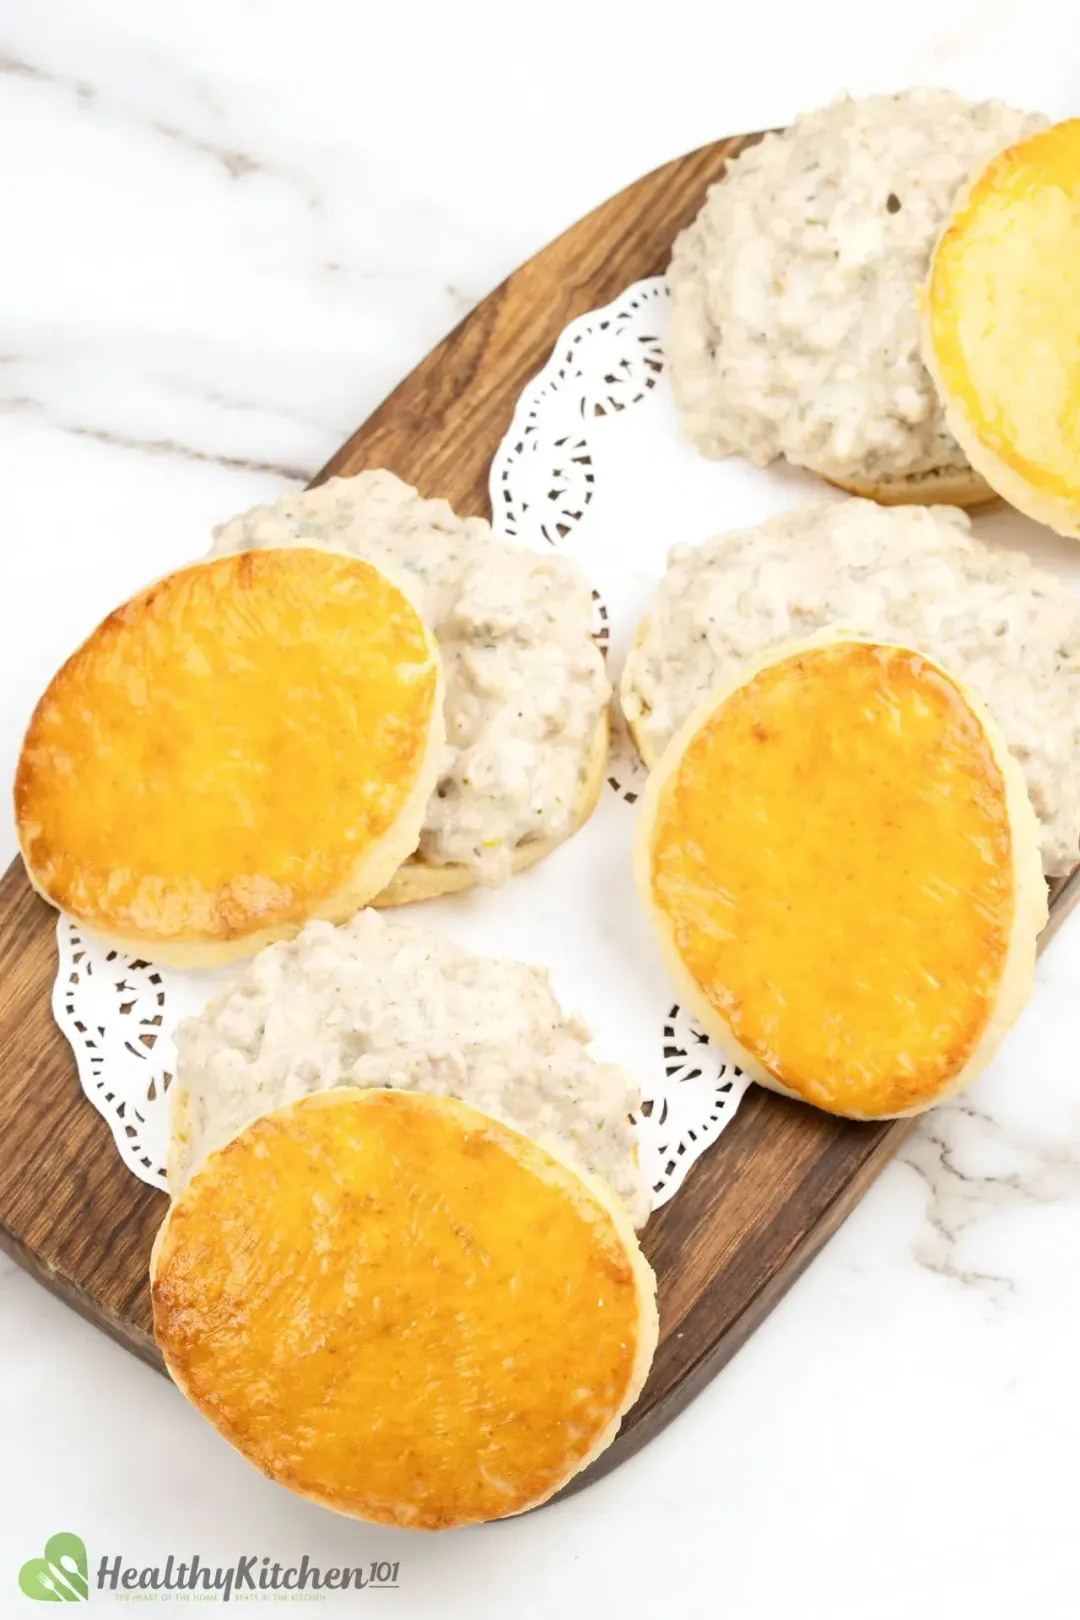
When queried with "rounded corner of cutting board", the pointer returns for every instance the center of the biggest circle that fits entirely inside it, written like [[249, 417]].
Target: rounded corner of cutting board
[[778, 1181]]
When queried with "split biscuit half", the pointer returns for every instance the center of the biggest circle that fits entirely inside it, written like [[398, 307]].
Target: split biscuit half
[[840, 863], [1001, 325], [403, 1310], [244, 745]]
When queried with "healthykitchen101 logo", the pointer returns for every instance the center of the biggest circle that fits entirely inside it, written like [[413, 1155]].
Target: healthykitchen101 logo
[[61, 1575]]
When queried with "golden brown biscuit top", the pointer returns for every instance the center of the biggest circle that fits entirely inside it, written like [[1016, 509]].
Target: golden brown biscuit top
[[222, 750], [1003, 313], [831, 858], [395, 1305]]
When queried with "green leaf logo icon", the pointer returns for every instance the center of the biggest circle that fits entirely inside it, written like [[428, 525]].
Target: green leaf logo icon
[[61, 1575]]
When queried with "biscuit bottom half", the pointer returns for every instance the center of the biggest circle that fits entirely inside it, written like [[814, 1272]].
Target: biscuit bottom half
[[401, 1309], [840, 863]]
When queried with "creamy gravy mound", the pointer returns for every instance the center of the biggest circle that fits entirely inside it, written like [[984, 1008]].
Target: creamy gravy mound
[[915, 575], [377, 1003], [794, 327], [525, 682]]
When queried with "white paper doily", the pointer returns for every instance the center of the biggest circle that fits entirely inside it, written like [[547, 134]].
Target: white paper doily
[[119, 1013], [591, 465]]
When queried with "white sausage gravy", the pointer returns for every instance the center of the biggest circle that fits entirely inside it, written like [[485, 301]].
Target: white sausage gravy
[[794, 326], [379, 1003]]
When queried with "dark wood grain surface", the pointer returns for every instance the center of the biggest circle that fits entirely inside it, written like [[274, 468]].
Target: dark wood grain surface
[[778, 1181]]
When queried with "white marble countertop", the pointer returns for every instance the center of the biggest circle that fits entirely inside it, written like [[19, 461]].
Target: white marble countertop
[[228, 230]]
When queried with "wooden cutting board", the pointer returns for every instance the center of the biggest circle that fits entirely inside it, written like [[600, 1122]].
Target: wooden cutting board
[[778, 1181]]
